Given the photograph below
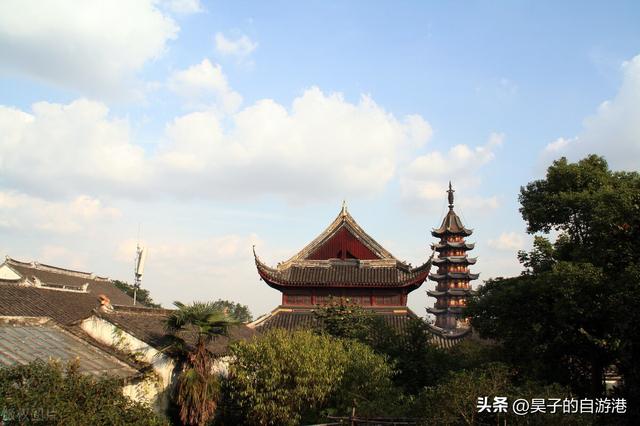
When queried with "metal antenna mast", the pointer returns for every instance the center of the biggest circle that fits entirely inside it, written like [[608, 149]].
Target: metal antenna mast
[[141, 256]]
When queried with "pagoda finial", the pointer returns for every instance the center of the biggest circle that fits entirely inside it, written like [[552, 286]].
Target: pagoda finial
[[450, 192], [343, 212]]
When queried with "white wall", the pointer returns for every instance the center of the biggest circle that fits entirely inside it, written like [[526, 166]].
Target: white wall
[[147, 390]]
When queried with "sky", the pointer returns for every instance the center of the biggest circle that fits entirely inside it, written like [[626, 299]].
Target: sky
[[199, 129]]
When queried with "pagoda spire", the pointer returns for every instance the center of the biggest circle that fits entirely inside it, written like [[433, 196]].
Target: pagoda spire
[[453, 276], [450, 192]]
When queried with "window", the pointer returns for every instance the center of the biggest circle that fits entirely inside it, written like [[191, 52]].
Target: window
[[390, 300]]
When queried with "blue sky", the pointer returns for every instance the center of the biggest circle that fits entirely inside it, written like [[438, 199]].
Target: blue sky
[[213, 126]]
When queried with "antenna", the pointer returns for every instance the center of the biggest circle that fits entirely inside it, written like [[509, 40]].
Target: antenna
[[141, 256]]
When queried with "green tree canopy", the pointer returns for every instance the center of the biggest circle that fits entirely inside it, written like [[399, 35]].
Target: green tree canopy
[[455, 401], [287, 377], [572, 313], [235, 311], [197, 388], [143, 296], [43, 393]]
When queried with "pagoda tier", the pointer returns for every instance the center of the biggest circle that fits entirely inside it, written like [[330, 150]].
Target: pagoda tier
[[343, 261], [450, 245], [453, 275], [455, 259]]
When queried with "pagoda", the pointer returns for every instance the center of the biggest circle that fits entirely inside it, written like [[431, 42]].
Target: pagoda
[[343, 262], [453, 276]]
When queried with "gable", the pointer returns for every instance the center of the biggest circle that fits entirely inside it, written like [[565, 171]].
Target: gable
[[343, 244], [6, 273]]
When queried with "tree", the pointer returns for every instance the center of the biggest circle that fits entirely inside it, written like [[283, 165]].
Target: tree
[[574, 304], [191, 328], [596, 210], [48, 393], [417, 362], [143, 295], [288, 377], [236, 311], [553, 323], [340, 317], [455, 401]]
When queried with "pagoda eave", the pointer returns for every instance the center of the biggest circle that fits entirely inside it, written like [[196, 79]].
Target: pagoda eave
[[460, 292], [459, 260], [446, 232], [454, 276], [452, 245]]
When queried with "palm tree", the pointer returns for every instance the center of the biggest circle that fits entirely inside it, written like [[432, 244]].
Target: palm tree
[[191, 328]]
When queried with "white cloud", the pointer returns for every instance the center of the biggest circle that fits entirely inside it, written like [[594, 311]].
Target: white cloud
[[23, 212], [241, 47], [184, 7], [66, 149], [558, 146], [61, 256], [323, 146], [202, 85], [613, 131], [459, 160], [93, 46], [426, 178], [508, 241]]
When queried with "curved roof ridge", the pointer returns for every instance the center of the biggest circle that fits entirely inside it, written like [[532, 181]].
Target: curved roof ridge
[[51, 268], [344, 218]]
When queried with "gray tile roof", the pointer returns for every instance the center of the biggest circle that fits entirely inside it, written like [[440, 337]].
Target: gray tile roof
[[344, 274], [398, 319], [63, 306], [148, 325], [25, 339]]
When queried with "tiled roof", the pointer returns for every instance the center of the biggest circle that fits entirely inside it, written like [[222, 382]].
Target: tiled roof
[[148, 325], [23, 340], [450, 244], [304, 318], [63, 306], [324, 261], [347, 273], [344, 220], [454, 275], [451, 224], [455, 259], [296, 318], [55, 277]]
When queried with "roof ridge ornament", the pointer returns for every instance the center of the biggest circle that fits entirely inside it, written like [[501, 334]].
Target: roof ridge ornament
[[450, 191], [343, 211]]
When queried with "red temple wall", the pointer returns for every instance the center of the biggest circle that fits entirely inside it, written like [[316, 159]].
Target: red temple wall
[[361, 297], [342, 245]]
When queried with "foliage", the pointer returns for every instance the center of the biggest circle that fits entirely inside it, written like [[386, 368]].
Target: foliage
[[552, 323], [417, 362], [236, 311], [574, 308], [540, 259], [366, 383], [340, 317], [52, 394], [143, 296], [596, 210], [287, 377], [191, 328], [454, 402]]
